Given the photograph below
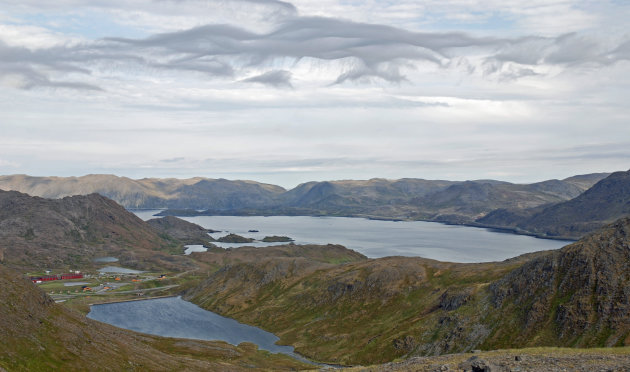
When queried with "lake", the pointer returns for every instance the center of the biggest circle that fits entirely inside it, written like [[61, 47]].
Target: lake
[[174, 317], [375, 238], [194, 248], [118, 270]]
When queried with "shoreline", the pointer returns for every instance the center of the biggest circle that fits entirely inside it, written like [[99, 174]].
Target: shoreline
[[499, 229], [294, 354], [130, 300]]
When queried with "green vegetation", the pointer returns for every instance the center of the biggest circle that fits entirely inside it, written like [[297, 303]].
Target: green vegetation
[[275, 238], [234, 238], [373, 311]]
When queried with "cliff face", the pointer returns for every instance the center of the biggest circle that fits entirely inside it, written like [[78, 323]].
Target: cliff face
[[577, 296], [37, 233]]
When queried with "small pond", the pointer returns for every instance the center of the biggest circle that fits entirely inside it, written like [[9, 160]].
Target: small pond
[[174, 317], [118, 270]]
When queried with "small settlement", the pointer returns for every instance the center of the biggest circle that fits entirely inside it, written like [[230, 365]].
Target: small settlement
[[48, 278]]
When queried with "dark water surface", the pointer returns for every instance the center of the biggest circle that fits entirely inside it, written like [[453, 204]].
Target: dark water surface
[[376, 238], [174, 317]]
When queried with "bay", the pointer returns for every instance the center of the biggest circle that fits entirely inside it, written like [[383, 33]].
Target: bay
[[376, 238]]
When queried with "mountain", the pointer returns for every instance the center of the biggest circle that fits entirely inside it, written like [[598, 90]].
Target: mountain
[[39, 335], [604, 202], [470, 200], [408, 198], [37, 233], [194, 193], [376, 310], [444, 201]]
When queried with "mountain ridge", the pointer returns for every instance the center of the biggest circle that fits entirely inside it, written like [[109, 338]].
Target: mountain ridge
[[605, 202], [376, 310]]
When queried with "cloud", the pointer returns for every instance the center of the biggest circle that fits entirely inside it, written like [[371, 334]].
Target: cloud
[[275, 78], [360, 52], [25, 69]]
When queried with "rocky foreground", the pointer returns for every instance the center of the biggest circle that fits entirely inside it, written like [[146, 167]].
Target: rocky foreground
[[540, 360]]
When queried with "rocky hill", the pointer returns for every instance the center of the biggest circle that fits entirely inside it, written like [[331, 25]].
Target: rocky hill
[[375, 310], [606, 201], [184, 231], [37, 233], [39, 335]]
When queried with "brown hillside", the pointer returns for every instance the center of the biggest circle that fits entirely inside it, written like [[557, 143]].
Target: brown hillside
[[38, 233]]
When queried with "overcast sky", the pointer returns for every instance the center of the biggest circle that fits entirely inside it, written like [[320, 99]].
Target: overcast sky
[[286, 92]]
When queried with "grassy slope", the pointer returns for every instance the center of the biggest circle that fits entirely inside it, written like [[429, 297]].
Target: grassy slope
[[360, 312], [38, 335], [373, 311]]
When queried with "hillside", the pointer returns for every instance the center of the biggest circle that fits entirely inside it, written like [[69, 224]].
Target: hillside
[[606, 201], [466, 201], [37, 233], [184, 231], [577, 296], [39, 335], [376, 310]]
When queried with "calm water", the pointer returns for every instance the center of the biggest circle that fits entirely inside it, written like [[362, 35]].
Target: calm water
[[381, 238], [174, 317], [105, 259], [194, 248], [118, 270]]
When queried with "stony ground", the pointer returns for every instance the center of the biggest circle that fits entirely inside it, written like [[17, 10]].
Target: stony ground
[[539, 360]]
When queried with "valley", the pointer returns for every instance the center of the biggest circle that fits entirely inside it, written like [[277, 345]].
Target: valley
[[332, 304]]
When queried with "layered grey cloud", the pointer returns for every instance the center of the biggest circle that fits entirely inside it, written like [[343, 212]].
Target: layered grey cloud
[[275, 78], [268, 88], [366, 51]]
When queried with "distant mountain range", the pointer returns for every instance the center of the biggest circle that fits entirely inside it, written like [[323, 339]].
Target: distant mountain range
[[435, 200], [605, 202], [194, 193]]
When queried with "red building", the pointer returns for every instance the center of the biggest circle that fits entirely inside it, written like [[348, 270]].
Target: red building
[[48, 278], [45, 278], [71, 276]]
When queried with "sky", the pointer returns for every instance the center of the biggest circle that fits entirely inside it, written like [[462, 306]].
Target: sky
[[288, 92]]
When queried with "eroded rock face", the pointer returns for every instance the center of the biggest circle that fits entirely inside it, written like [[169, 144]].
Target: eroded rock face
[[453, 299], [582, 291]]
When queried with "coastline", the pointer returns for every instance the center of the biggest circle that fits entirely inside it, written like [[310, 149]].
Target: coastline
[[498, 229]]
